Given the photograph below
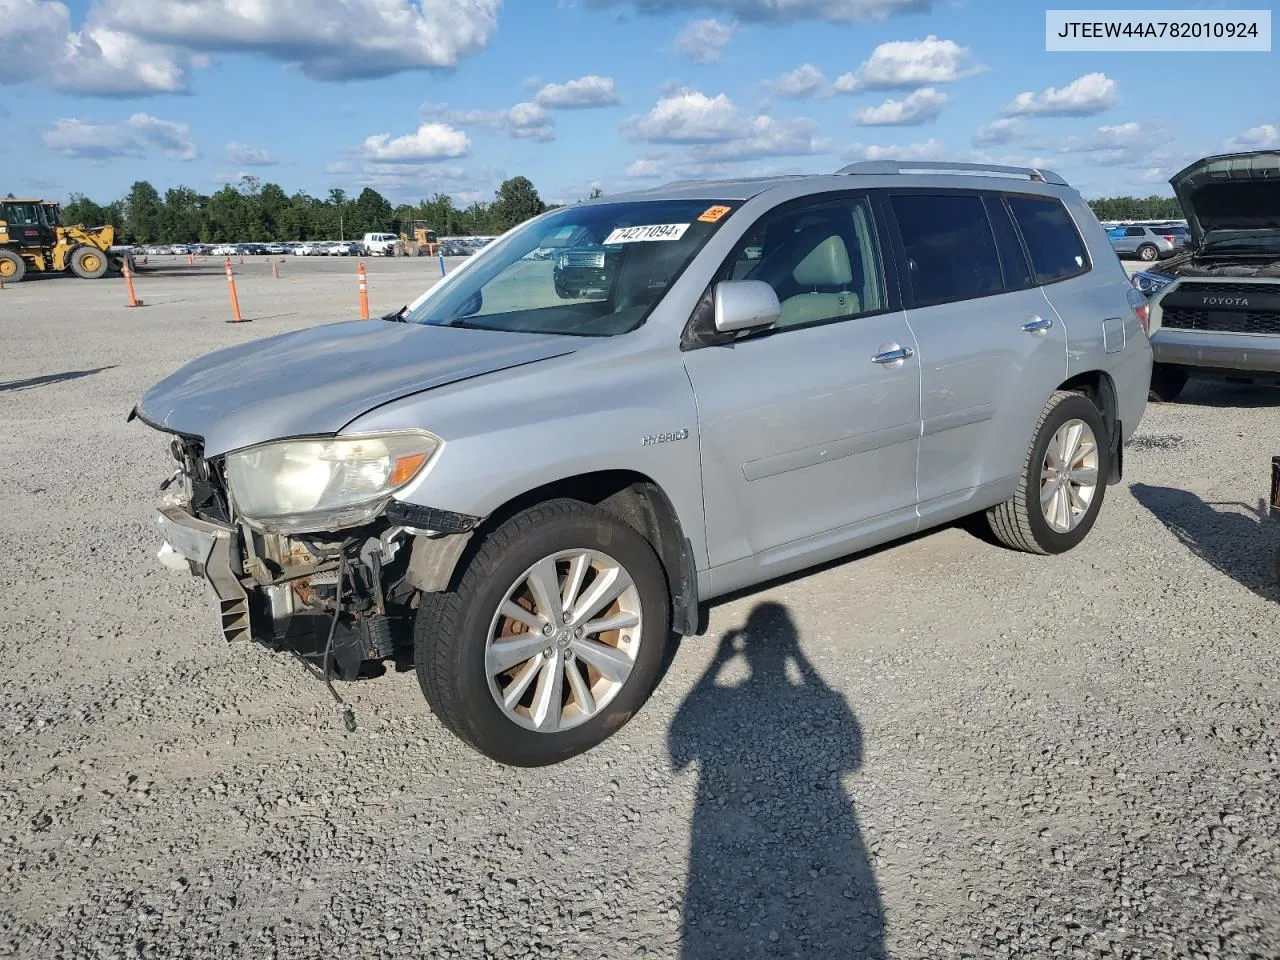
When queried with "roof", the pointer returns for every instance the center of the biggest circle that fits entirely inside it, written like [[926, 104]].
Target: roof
[[924, 173]]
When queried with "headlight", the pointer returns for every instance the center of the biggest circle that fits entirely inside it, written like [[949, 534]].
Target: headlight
[[1149, 283], [325, 484]]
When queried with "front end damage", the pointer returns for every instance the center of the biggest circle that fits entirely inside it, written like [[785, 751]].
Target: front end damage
[[336, 599]]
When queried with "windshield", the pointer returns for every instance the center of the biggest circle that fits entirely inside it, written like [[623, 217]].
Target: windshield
[[592, 271]]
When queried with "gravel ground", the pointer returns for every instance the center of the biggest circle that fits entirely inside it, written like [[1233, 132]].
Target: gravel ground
[[940, 749]]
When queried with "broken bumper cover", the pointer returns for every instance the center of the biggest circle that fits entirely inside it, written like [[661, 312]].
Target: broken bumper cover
[[205, 550]]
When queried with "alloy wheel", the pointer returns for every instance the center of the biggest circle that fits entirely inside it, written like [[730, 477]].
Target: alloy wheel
[[1069, 475], [563, 641]]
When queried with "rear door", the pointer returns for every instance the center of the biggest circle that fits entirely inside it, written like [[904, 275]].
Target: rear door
[[990, 348], [813, 425]]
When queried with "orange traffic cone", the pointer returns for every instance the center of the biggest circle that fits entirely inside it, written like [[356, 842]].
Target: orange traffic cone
[[128, 285], [235, 301], [363, 281]]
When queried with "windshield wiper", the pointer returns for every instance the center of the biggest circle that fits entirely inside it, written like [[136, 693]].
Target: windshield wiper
[[396, 316]]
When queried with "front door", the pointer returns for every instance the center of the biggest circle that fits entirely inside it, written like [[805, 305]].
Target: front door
[[814, 424]]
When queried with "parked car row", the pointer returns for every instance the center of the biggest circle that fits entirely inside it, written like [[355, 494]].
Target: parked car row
[[321, 248]]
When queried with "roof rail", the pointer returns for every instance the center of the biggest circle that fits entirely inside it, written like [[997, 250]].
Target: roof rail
[[881, 167]]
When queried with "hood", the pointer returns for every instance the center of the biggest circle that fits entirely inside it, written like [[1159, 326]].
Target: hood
[[1235, 195], [317, 381]]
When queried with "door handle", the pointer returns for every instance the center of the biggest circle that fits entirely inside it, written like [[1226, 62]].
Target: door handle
[[894, 355], [1037, 325]]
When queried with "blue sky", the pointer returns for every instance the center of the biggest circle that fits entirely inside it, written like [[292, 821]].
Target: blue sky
[[415, 97]]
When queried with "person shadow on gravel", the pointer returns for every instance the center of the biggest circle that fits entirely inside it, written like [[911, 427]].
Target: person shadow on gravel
[[777, 866], [1241, 545]]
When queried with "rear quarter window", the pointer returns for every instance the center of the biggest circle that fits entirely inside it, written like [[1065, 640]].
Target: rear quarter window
[[1052, 241]]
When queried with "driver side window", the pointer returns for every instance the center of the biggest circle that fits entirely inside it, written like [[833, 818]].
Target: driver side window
[[821, 260]]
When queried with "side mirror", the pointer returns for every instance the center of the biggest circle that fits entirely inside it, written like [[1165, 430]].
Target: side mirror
[[745, 305]]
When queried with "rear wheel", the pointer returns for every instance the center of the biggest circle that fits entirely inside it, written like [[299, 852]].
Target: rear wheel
[[1147, 253], [1167, 382], [553, 638], [1062, 484], [87, 262], [12, 266]]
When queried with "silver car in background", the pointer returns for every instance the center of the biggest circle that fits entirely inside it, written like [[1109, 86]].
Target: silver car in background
[[1149, 243], [534, 485]]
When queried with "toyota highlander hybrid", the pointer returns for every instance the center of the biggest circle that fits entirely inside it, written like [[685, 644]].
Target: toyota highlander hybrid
[[535, 474]]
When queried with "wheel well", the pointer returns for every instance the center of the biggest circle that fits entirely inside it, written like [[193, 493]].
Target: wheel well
[[635, 500], [1098, 386]]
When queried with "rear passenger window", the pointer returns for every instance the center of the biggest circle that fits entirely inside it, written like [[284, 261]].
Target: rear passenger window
[[1052, 240], [951, 253]]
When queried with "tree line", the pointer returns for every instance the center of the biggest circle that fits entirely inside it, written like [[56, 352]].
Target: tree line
[[255, 211], [1137, 208]]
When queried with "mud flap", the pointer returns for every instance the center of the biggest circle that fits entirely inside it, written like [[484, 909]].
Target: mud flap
[[1116, 442]]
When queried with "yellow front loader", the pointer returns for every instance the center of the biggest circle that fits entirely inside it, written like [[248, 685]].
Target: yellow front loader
[[33, 237]]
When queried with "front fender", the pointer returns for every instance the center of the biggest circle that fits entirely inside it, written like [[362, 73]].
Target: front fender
[[603, 408]]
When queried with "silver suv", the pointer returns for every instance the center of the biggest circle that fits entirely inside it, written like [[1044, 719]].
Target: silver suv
[[536, 484], [1149, 243]]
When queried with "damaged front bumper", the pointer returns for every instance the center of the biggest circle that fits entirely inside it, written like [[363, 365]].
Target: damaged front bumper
[[346, 597]]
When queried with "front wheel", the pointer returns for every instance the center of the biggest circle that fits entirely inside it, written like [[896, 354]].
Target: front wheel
[[12, 267], [88, 263], [1063, 481], [553, 638]]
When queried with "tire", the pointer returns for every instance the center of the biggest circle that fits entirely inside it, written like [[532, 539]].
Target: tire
[[12, 267], [1020, 523], [1167, 382], [452, 638], [88, 263], [1147, 253]]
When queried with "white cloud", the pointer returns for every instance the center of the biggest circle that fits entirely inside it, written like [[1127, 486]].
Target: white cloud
[[920, 106], [688, 116], [524, 121], [804, 81], [783, 11], [997, 132], [929, 150], [645, 168], [719, 132], [249, 156], [431, 141], [703, 41], [588, 91], [1086, 95], [1263, 137], [327, 39], [908, 64], [765, 136], [141, 136], [38, 44]]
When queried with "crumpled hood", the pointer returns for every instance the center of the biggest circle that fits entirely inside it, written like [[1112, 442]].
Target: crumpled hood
[[1235, 194], [318, 380]]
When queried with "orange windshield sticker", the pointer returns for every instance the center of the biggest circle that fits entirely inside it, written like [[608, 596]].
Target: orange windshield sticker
[[713, 214]]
